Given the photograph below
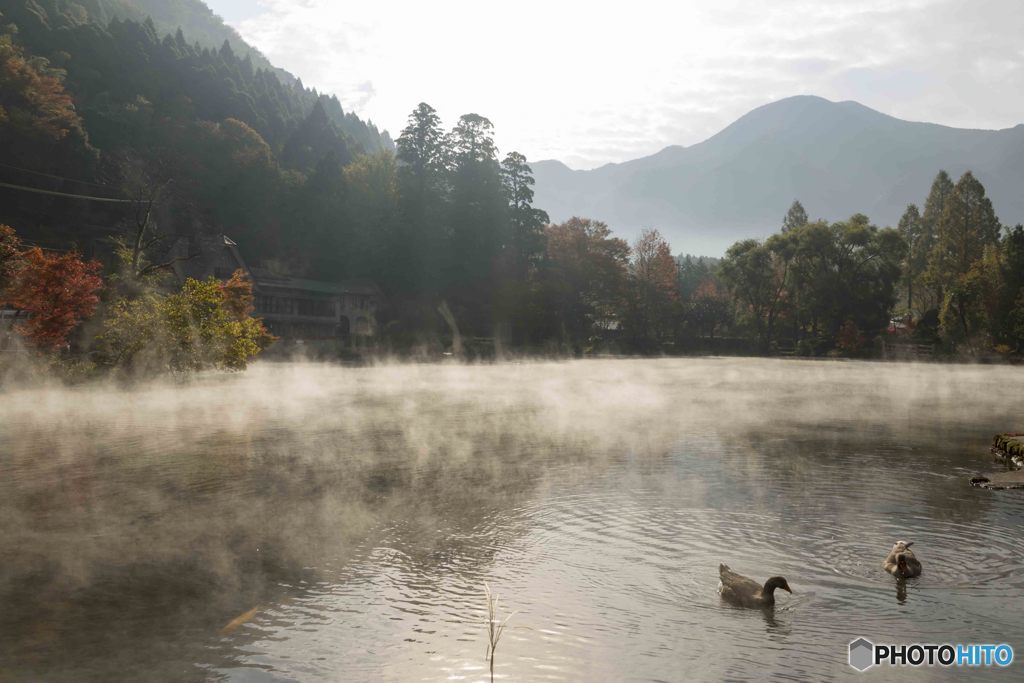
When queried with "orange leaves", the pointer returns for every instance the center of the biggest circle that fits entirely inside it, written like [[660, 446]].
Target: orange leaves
[[653, 264], [10, 257], [238, 299], [58, 290], [32, 98]]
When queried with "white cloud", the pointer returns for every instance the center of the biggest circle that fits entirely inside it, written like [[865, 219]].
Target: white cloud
[[593, 82]]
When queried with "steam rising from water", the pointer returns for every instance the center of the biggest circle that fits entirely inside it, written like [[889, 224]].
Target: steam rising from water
[[318, 491]]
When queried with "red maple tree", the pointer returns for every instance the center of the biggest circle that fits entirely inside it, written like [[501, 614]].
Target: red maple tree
[[10, 258], [59, 291], [238, 297]]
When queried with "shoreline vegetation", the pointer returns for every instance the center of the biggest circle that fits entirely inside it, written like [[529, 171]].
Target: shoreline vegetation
[[1009, 448], [103, 177]]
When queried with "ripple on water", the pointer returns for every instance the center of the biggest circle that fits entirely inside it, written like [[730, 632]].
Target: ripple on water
[[597, 499]]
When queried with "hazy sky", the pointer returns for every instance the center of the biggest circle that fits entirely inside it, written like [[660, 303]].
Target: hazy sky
[[590, 82]]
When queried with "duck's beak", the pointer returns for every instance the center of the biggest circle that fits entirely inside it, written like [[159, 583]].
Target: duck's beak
[[907, 545], [787, 589]]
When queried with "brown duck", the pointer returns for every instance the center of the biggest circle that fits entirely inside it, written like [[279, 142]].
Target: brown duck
[[901, 561], [745, 592]]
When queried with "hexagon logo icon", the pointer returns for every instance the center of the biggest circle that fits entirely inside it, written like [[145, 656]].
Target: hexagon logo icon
[[862, 653]]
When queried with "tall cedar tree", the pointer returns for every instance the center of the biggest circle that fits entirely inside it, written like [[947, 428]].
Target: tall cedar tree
[[968, 227], [422, 183], [527, 222], [479, 222], [934, 206], [911, 227]]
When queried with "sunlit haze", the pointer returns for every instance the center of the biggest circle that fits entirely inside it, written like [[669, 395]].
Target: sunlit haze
[[511, 341], [590, 83]]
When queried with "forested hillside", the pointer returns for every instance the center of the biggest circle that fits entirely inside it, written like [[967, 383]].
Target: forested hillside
[[70, 35], [233, 146], [193, 17]]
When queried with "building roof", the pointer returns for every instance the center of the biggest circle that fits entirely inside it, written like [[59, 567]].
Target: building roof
[[208, 251], [263, 279], [200, 256]]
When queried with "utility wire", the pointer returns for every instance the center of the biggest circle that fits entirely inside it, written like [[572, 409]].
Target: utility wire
[[54, 177], [65, 194]]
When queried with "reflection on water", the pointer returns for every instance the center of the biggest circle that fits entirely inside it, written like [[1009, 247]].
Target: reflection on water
[[307, 522]]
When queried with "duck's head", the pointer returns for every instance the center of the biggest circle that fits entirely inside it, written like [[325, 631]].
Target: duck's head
[[777, 582], [900, 546]]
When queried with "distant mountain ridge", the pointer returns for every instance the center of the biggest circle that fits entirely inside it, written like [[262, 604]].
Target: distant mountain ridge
[[837, 158]]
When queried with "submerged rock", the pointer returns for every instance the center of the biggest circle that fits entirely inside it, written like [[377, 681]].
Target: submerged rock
[[999, 480]]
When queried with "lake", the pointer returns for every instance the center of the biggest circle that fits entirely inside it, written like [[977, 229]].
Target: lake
[[318, 522]]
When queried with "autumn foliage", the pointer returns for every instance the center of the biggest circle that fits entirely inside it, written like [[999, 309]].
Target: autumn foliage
[[238, 298], [32, 97], [10, 258], [59, 291], [205, 325]]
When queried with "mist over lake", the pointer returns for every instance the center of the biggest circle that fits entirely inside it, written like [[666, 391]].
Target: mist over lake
[[318, 522]]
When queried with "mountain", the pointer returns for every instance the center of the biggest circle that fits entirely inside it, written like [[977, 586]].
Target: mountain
[[837, 158], [103, 110], [193, 17], [48, 27]]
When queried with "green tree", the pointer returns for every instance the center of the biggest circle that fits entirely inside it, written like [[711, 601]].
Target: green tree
[[708, 308], [694, 271], [844, 278], [421, 148], [315, 139], [479, 220], [1010, 311], [521, 256], [211, 327], [831, 283], [757, 275], [968, 226], [527, 222], [372, 213], [970, 308], [204, 325], [929, 292], [585, 275], [423, 192], [795, 217], [911, 227]]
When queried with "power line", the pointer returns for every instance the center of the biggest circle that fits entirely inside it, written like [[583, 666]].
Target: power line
[[37, 190], [54, 177]]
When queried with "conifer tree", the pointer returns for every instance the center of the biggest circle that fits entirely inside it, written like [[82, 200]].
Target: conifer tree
[[795, 217]]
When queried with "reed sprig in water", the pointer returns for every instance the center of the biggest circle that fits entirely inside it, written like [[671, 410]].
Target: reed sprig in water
[[495, 626]]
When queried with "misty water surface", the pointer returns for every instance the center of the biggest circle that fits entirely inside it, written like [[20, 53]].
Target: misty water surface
[[354, 515]]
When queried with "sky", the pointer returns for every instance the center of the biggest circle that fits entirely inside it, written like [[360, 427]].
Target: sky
[[593, 82]]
